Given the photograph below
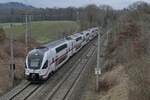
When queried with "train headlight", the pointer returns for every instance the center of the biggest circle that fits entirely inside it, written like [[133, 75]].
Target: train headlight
[[27, 71], [42, 72]]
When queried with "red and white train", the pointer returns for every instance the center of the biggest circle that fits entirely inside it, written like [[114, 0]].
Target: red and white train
[[42, 61]]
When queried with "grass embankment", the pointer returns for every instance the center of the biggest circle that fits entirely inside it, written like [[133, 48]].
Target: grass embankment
[[42, 31]]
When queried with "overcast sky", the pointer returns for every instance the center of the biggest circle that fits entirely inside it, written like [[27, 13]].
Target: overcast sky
[[117, 4]]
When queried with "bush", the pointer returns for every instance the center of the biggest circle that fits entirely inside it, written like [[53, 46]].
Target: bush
[[130, 45], [2, 34], [138, 72]]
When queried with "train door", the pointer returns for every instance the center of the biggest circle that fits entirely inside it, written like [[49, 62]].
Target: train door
[[61, 55], [83, 40], [72, 47], [90, 35], [52, 60], [87, 37], [78, 43], [69, 49]]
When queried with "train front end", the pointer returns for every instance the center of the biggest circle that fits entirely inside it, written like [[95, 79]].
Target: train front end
[[33, 66]]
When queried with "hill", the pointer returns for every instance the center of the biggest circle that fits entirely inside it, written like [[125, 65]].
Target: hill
[[15, 12], [14, 5]]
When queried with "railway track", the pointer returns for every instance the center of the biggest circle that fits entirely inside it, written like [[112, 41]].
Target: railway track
[[49, 90], [26, 92], [63, 89], [21, 92], [45, 89]]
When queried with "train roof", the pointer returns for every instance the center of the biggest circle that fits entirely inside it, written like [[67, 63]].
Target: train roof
[[43, 48], [55, 43], [85, 31], [74, 36], [79, 34]]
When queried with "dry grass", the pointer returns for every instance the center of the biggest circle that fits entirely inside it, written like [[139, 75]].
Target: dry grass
[[19, 53], [117, 86], [139, 76], [2, 34], [113, 86], [4, 79]]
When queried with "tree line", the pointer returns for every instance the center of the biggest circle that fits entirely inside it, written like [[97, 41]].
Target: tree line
[[18, 15], [90, 15]]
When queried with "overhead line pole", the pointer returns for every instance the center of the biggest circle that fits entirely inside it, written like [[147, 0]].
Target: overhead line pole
[[77, 19], [28, 25], [12, 62], [26, 33], [30, 18], [12, 65], [98, 69]]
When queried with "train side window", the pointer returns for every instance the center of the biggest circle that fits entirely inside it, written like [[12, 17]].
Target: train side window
[[79, 38], [60, 48], [87, 34]]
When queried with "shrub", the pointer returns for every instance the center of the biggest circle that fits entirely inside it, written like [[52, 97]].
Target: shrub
[[2, 34]]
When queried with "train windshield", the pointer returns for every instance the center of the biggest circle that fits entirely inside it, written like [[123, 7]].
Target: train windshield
[[35, 61]]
